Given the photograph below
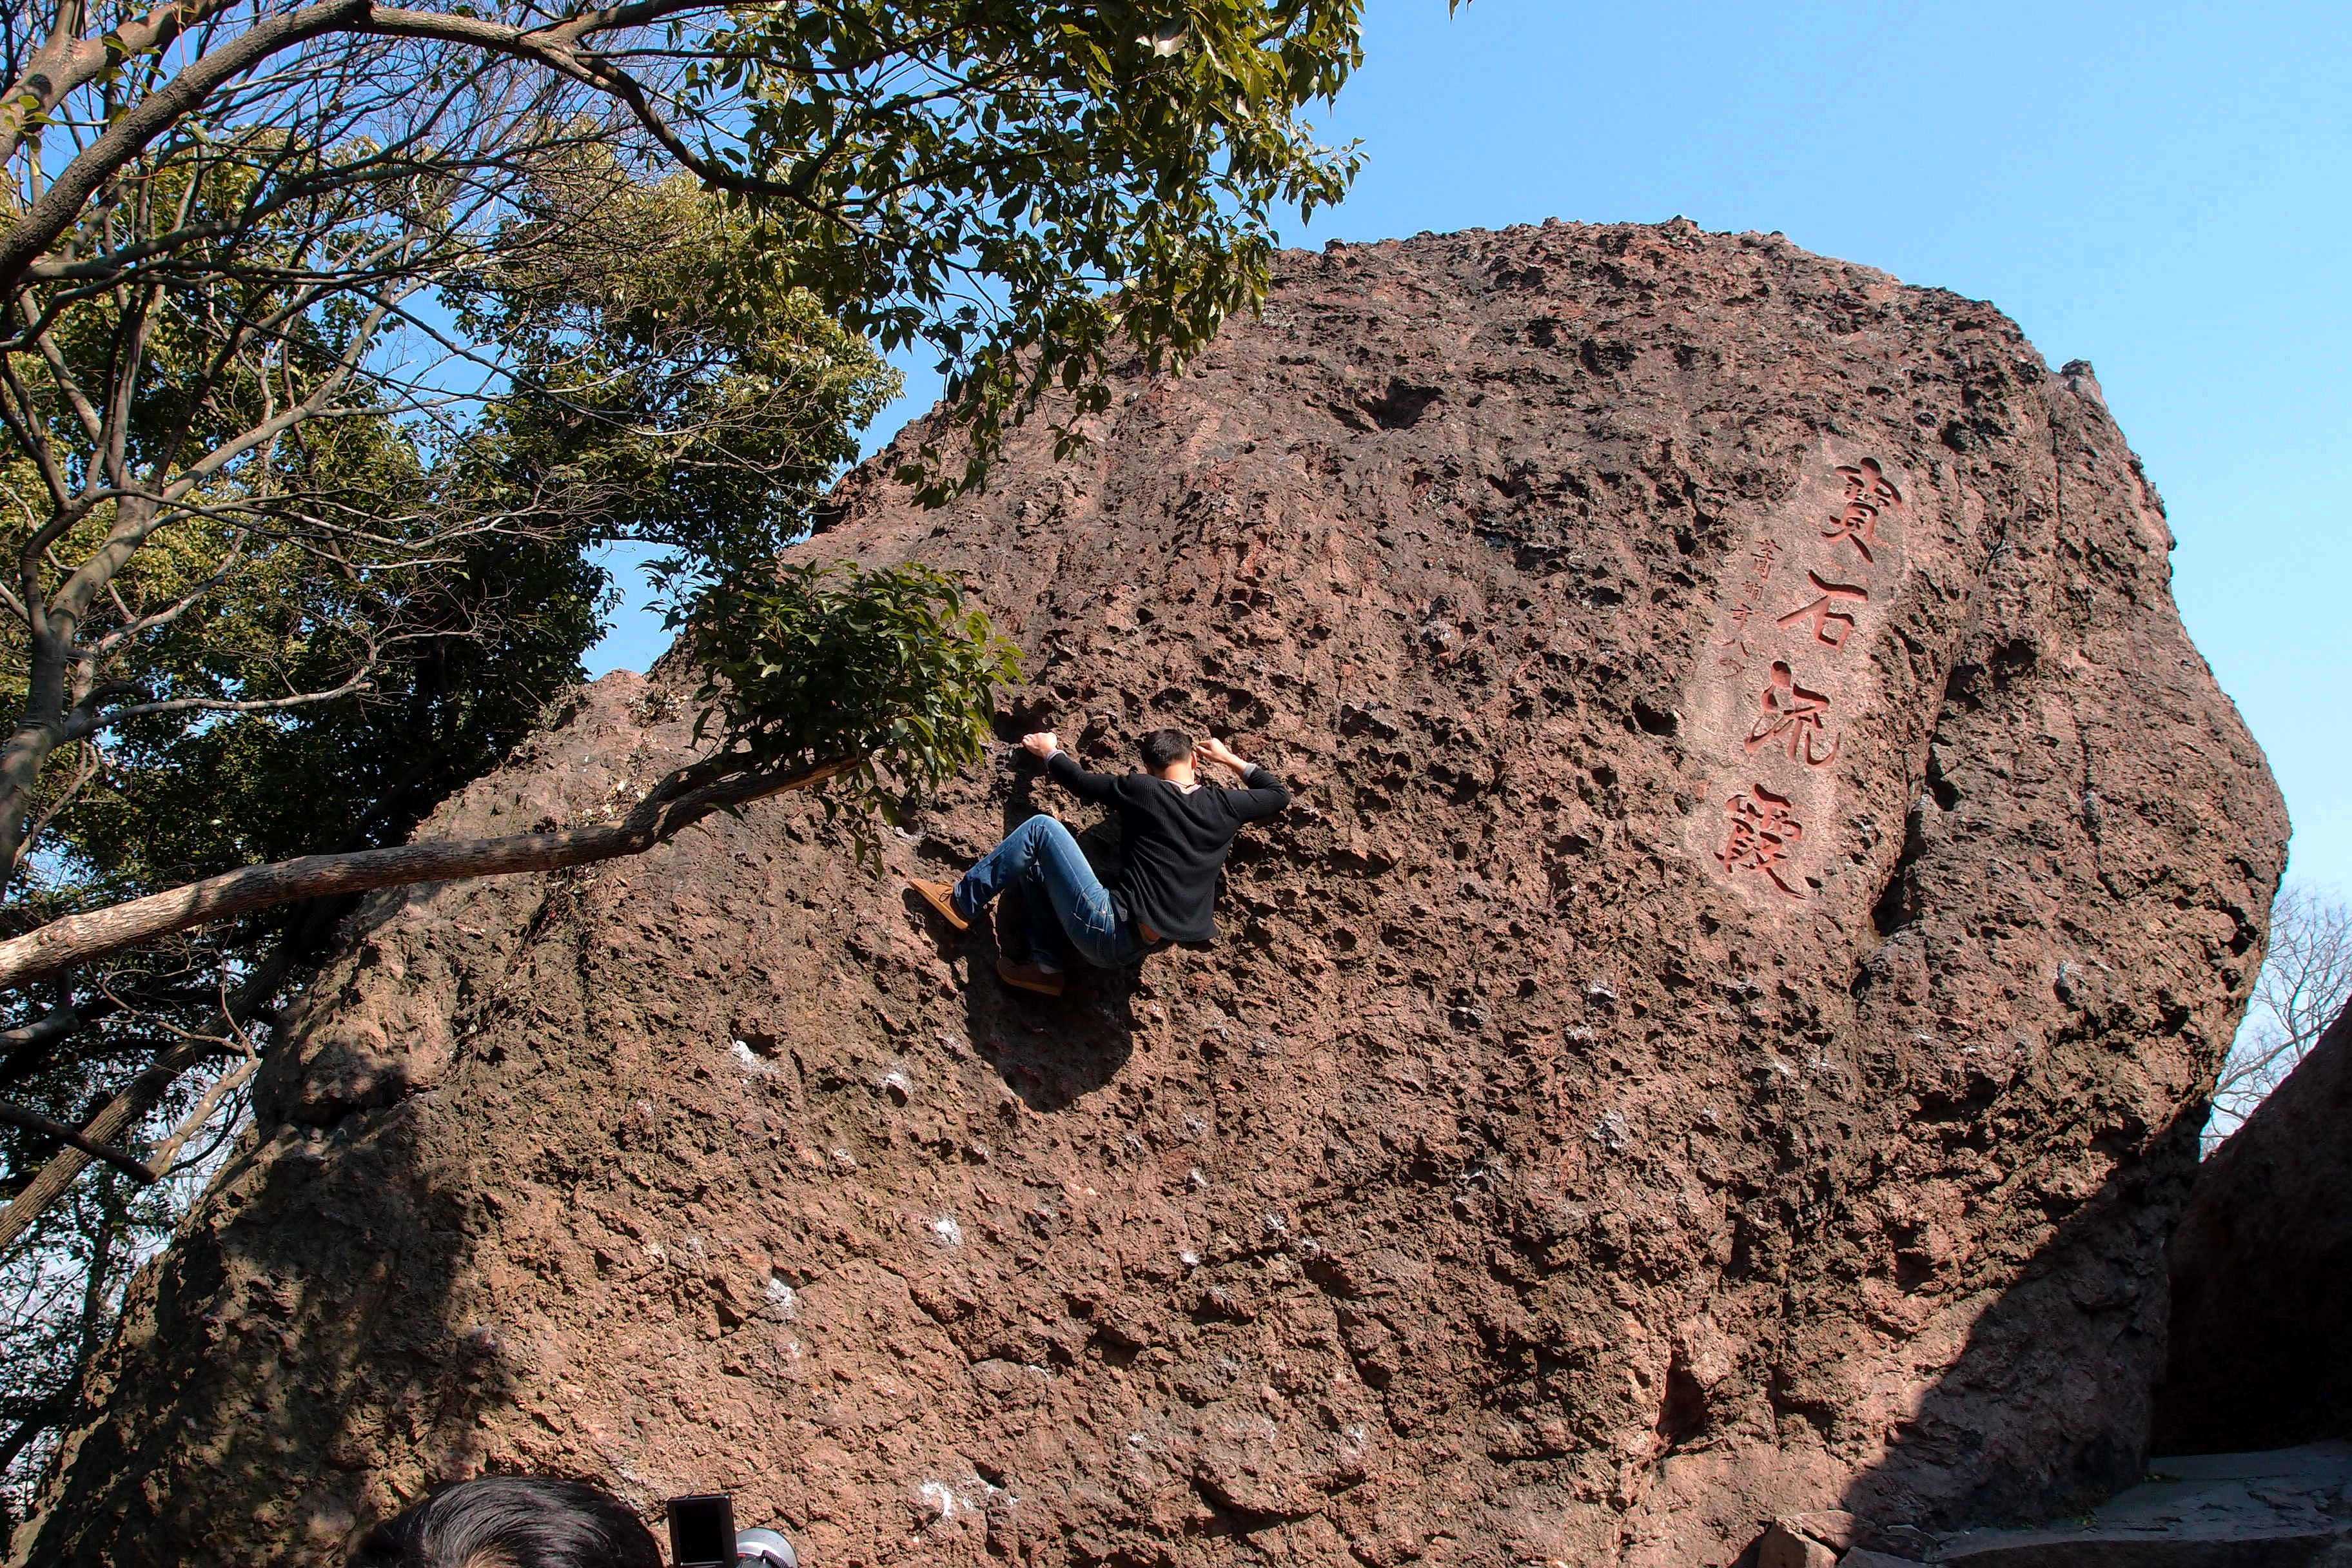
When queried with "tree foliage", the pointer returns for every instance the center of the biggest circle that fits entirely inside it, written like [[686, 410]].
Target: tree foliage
[[809, 663], [441, 607]]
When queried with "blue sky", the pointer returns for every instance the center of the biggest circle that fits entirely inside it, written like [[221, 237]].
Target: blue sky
[[2162, 190]]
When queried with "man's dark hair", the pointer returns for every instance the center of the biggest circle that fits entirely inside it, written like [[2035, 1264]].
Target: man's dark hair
[[512, 1521], [1163, 748]]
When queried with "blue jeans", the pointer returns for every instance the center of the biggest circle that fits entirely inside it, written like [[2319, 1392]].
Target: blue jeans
[[1059, 892]]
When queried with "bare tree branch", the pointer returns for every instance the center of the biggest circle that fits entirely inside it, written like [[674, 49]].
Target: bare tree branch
[[33, 1122], [135, 624], [87, 720], [120, 1115], [2305, 981], [201, 1113], [110, 268], [51, 216], [85, 770], [66, 62]]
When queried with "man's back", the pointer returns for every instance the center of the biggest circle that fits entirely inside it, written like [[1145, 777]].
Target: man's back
[[1173, 840]]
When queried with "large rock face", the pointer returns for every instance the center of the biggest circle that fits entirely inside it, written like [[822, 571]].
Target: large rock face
[[2261, 1274], [1720, 1032]]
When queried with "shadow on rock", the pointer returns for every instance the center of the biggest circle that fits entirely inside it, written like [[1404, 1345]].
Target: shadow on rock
[[2259, 1311], [1055, 1051], [1051, 1051], [2083, 1324], [268, 1320]]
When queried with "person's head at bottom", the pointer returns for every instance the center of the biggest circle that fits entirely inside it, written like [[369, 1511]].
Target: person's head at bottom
[[511, 1521]]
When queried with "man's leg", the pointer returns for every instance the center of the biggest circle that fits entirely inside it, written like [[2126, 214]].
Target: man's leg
[[1012, 857], [1040, 921], [1062, 892], [1074, 897]]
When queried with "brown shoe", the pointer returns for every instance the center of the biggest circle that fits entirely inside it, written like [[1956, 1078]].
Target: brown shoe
[[941, 896], [1029, 977]]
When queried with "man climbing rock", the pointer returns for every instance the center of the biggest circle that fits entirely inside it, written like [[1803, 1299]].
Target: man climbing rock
[[1174, 834]]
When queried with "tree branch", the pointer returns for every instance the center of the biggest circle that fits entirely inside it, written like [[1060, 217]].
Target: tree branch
[[54, 212], [109, 266], [680, 801], [65, 63], [34, 1121], [558, 49], [23, 414], [47, 78], [50, 1026], [86, 720], [85, 770], [135, 624], [194, 1123], [45, 1416], [69, 388], [354, 352], [122, 1113]]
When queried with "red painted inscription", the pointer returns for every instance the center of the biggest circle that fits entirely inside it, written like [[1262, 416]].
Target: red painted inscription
[[1868, 492], [1824, 614], [1794, 718], [1762, 833]]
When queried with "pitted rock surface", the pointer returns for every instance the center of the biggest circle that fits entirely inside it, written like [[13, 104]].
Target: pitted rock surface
[[1719, 1035]]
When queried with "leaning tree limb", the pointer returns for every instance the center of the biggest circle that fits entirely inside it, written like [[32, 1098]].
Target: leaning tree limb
[[195, 1121], [681, 799]]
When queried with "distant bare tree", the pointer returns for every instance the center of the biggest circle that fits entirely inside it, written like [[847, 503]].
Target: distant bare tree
[[2305, 984]]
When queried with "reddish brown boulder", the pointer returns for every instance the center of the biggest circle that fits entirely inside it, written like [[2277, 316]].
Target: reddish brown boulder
[[2261, 1274], [1717, 1036]]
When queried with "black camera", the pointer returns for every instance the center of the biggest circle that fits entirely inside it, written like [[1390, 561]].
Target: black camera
[[703, 1534]]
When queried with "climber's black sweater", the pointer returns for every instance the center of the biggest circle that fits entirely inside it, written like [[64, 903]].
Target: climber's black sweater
[[1173, 843]]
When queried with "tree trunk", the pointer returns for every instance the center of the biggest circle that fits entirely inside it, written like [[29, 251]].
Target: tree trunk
[[28, 749], [51, 628]]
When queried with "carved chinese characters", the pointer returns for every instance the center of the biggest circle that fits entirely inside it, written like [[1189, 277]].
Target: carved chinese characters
[[1762, 835], [1759, 562], [1868, 490], [1792, 711], [1790, 672], [1829, 624]]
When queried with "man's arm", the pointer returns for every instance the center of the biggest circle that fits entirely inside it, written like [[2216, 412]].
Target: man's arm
[[1066, 770], [1263, 794]]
